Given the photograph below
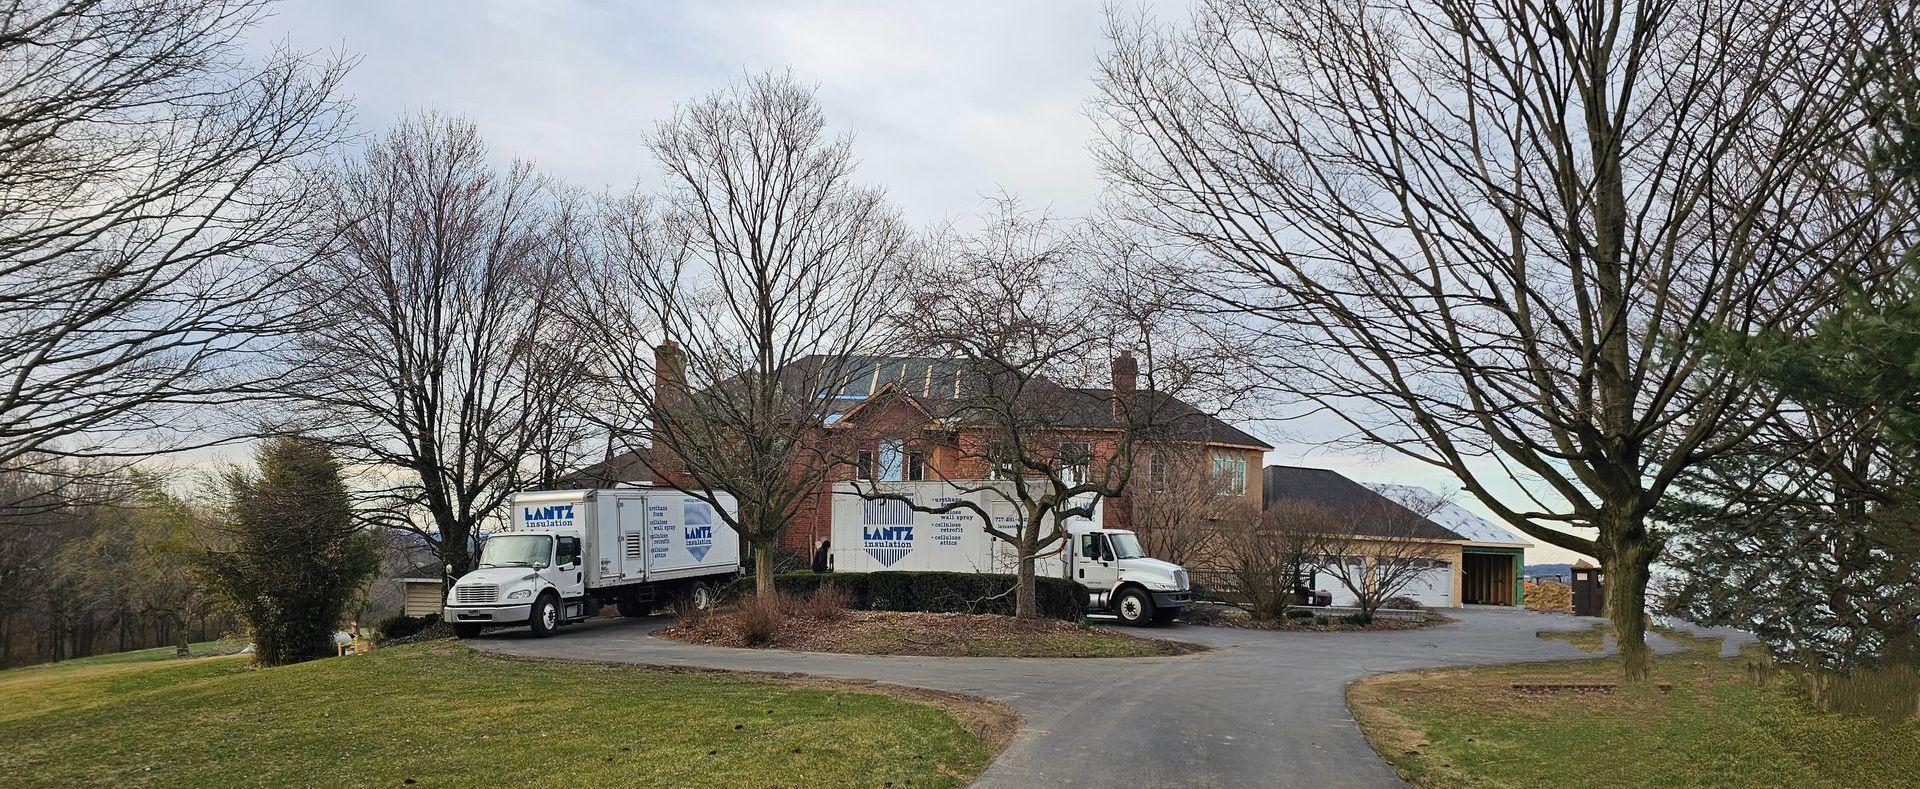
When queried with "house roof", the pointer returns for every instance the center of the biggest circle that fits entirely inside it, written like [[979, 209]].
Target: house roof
[[941, 387], [420, 572], [1363, 507], [627, 467], [1450, 515]]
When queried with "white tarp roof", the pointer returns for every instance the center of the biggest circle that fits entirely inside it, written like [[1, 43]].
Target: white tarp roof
[[1448, 514]]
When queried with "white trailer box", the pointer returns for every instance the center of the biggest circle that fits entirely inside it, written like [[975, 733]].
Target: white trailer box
[[874, 535], [565, 553]]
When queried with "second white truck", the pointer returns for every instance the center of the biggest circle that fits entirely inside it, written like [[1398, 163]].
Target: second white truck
[[567, 553], [873, 535]]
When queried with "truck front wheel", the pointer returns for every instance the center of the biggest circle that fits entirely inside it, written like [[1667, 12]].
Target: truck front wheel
[[1133, 607], [545, 616]]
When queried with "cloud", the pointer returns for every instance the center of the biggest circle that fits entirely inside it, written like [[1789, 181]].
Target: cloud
[[948, 102]]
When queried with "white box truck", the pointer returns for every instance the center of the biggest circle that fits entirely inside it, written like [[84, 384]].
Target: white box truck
[[565, 553], [871, 535]]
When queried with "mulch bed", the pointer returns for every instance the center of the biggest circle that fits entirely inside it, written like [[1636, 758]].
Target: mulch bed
[[1239, 619], [935, 635]]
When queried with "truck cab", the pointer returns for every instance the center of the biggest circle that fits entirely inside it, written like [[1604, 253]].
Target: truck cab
[[1122, 579], [526, 578]]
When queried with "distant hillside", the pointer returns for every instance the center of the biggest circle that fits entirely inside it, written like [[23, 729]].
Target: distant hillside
[[1565, 571]]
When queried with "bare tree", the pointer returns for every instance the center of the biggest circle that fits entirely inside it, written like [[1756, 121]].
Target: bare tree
[[435, 364], [1381, 550], [150, 183], [1493, 238], [1182, 512], [1016, 309], [770, 274], [1266, 559]]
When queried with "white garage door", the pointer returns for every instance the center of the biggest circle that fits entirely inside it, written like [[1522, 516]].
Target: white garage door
[[1432, 588]]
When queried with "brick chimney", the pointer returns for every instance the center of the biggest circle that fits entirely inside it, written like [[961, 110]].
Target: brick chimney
[[1126, 375], [669, 373]]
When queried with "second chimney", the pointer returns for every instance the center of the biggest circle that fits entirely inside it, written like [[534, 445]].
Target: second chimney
[[1126, 376]]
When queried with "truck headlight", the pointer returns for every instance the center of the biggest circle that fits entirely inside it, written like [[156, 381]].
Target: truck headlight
[[520, 594]]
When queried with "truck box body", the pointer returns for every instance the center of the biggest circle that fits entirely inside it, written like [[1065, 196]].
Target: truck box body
[[871, 535], [633, 535]]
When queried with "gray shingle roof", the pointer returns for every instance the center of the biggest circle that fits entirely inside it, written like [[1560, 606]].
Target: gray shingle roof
[[1362, 507]]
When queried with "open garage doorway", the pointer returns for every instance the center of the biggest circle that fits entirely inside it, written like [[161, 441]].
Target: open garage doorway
[[1489, 578]]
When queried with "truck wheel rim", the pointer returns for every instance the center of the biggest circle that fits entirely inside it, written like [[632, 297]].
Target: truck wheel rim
[[548, 615], [702, 598], [1130, 608]]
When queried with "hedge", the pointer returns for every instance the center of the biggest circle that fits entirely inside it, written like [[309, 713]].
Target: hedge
[[936, 592]]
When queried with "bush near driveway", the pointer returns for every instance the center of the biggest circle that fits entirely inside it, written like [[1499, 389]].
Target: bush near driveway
[[441, 715], [933, 592]]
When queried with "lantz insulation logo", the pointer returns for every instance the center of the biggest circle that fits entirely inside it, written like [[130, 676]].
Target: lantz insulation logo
[[886, 530], [697, 528], [552, 516]]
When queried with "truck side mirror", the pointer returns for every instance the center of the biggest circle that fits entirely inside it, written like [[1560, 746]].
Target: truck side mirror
[[449, 569]]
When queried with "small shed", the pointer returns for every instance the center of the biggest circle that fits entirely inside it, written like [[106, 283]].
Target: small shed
[[423, 590]]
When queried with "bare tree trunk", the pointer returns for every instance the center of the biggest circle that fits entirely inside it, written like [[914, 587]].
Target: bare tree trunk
[[1626, 556], [763, 567], [1024, 607]]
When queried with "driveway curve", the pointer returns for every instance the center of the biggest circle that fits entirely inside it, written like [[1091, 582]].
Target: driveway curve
[[1261, 708]]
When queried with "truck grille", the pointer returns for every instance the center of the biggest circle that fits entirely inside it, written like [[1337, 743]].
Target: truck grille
[[477, 594]]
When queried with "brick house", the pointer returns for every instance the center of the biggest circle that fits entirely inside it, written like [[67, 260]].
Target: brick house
[[901, 418]]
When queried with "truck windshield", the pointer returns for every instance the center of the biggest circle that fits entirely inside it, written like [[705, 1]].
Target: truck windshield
[[1126, 546], [516, 550]]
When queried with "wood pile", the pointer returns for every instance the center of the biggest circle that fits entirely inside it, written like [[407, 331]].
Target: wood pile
[[1550, 596]]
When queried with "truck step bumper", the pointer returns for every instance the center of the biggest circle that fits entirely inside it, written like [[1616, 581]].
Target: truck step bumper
[[1172, 599], [492, 615]]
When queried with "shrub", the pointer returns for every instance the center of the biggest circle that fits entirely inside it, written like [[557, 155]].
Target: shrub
[[1321, 620], [1403, 603], [1362, 618], [827, 603], [937, 592], [1299, 613], [1201, 614], [757, 620], [402, 626]]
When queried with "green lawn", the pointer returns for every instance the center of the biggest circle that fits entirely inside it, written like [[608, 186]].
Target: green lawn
[[438, 714], [1470, 727]]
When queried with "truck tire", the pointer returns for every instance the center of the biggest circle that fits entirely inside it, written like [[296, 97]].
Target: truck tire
[[544, 618], [700, 596], [1133, 607], [634, 608], [465, 630]]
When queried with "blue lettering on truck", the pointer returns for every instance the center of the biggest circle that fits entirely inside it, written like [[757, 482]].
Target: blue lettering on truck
[[886, 530], [550, 516], [697, 522]]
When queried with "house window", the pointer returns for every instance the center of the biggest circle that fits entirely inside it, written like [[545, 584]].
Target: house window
[[1230, 473], [893, 461], [1076, 460], [1156, 473], [1001, 463], [916, 466], [863, 465]]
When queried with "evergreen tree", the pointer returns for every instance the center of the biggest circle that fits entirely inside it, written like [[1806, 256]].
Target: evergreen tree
[[295, 560]]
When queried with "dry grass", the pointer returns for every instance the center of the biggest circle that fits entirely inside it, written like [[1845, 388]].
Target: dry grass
[[1719, 726]]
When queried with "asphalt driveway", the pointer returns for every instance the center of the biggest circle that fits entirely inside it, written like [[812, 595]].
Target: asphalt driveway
[[1260, 709]]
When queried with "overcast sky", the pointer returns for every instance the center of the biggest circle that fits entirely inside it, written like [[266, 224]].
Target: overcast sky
[[948, 102]]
